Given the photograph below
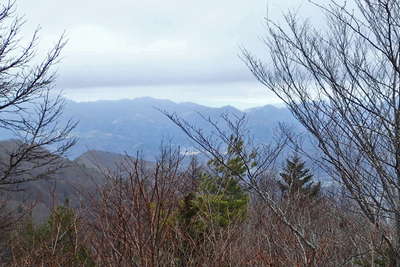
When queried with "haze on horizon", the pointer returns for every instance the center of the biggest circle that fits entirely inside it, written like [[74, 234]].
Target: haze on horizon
[[177, 50]]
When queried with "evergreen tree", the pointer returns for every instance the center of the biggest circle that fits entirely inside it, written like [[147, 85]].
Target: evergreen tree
[[219, 199], [297, 179]]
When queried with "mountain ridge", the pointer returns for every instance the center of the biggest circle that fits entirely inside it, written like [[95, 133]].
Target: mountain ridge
[[131, 125]]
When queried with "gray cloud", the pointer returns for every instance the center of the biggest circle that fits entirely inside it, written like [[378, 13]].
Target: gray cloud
[[133, 43]]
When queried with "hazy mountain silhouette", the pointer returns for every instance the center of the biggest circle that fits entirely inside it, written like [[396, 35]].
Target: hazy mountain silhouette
[[126, 126]]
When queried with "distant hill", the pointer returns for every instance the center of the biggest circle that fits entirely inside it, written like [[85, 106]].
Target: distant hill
[[126, 126], [105, 162], [95, 159], [66, 184], [76, 182]]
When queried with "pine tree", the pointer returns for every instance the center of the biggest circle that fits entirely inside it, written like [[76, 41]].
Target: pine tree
[[219, 199], [297, 179]]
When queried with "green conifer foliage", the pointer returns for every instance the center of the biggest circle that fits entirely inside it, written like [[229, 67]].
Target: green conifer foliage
[[297, 179], [220, 199]]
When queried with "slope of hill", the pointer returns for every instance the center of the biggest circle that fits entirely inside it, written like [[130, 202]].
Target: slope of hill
[[99, 160], [70, 183], [106, 162]]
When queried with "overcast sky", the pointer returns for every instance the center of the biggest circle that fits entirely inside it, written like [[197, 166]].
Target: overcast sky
[[182, 50]]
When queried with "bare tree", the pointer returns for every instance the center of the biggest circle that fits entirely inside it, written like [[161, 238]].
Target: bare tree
[[29, 110], [342, 83], [258, 162], [133, 216]]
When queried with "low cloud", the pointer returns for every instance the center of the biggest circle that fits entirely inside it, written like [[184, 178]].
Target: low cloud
[[130, 43]]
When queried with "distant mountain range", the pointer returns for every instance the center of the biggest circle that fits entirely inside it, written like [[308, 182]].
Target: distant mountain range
[[108, 131], [128, 126]]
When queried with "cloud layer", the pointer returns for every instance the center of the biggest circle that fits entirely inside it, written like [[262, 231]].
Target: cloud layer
[[155, 44]]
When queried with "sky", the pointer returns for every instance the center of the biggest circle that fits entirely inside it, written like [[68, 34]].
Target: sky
[[182, 50]]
